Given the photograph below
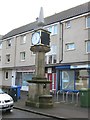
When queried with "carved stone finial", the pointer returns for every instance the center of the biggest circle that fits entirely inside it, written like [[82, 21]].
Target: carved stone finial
[[41, 18]]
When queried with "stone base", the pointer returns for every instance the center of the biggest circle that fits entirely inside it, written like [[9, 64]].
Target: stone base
[[45, 101]]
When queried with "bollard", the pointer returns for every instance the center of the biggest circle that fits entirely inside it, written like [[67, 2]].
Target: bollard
[[63, 97], [67, 96], [57, 95], [77, 97], [72, 97]]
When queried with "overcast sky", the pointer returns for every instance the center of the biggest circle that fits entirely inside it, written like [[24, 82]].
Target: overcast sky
[[16, 13]]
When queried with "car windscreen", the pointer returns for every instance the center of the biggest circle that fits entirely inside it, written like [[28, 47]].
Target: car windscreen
[[1, 92]]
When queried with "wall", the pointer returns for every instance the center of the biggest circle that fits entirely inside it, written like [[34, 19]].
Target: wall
[[30, 58], [77, 33]]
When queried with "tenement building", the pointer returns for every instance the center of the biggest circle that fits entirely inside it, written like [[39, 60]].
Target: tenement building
[[67, 64]]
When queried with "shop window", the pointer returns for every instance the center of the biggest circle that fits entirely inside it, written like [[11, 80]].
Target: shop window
[[68, 80], [82, 79]]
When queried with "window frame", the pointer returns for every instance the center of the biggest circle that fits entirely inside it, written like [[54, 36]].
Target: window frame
[[23, 39], [86, 42], [53, 59], [55, 29], [53, 54], [87, 21], [68, 25], [6, 75], [52, 29], [8, 43], [8, 58], [68, 49], [0, 58], [0, 45], [22, 55]]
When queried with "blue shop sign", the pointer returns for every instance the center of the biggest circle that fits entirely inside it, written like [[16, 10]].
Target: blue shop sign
[[63, 67]]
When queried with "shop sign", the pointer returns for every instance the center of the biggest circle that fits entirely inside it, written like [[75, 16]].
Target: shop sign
[[79, 66]]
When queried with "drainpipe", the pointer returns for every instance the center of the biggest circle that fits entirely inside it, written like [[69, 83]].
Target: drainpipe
[[15, 40], [61, 40]]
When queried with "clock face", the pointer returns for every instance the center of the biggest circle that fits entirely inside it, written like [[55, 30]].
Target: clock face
[[35, 38]]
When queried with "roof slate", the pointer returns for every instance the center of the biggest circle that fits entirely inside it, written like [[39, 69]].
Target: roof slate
[[75, 11]]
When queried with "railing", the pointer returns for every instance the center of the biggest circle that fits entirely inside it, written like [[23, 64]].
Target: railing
[[65, 96]]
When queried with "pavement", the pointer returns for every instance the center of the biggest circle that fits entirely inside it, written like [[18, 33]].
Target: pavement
[[60, 110]]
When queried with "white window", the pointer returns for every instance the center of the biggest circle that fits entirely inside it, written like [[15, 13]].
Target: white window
[[68, 24], [50, 29], [88, 22], [0, 58], [23, 39], [6, 76], [22, 56], [53, 29], [8, 44], [8, 58], [53, 50], [0, 45], [88, 46], [70, 46], [51, 57]]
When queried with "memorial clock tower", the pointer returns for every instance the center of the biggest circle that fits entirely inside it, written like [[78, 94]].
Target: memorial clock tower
[[39, 89]]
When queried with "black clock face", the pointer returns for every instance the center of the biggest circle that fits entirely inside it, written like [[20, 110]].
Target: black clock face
[[36, 38]]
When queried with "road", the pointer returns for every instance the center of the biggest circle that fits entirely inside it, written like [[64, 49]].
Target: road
[[22, 114]]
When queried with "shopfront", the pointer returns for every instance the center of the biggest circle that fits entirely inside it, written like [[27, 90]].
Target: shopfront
[[51, 75], [22, 76], [72, 77]]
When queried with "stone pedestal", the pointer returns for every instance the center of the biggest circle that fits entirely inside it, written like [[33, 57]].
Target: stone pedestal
[[39, 89]]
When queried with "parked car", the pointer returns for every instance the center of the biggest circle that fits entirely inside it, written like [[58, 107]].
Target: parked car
[[6, 101]]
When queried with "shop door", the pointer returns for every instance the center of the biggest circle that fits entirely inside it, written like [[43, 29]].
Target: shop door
[[50, 78], [53, 81], [26, 76]]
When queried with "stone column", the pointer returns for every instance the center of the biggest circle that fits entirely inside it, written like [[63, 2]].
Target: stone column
[[39, 89], [40, 63]]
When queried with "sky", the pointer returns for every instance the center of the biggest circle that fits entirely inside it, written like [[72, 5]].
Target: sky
[[16, 13]]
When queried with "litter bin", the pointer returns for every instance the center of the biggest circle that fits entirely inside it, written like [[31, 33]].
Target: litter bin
[[85, 97], [13, 93], [18, 91]]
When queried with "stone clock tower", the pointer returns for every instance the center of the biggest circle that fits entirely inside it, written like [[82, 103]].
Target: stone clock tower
[[39, 89]]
